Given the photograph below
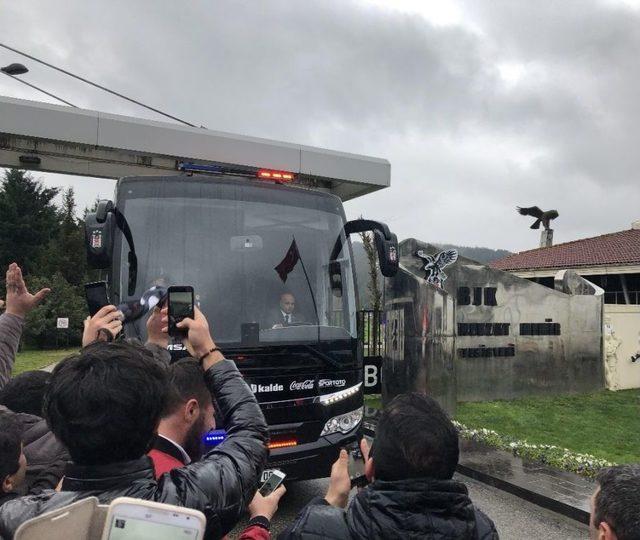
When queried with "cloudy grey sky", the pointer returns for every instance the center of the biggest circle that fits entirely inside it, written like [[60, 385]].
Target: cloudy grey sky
[[479, 106]]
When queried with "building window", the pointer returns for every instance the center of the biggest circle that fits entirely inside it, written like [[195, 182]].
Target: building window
[[483, 329], [487, 352], [540, 329]]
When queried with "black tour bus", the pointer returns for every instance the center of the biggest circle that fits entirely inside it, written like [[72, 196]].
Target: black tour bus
[[242, 241]]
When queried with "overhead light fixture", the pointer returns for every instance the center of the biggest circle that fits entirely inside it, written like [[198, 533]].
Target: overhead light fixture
[[30, 160]]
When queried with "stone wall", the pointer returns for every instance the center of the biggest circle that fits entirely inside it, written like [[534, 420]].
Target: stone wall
[[513, 337]]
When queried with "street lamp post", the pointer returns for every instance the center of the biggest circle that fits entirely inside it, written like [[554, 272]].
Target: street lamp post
[[14, 69], [20, 69]]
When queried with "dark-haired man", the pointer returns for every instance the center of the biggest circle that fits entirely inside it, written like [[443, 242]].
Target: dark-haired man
[[411, 492], [186, 418], [615, 505], [105, 404], [13, 464]]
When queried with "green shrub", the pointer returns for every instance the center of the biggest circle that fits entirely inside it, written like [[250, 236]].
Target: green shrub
[[65, 300]]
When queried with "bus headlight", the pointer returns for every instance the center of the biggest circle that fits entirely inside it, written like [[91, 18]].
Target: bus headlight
[[330, 399], [343, 423]]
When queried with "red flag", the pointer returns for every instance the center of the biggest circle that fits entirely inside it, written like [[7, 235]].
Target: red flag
[[289, 262]]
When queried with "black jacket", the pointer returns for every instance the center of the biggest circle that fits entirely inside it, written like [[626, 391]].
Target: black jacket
[[420, 508], [221, 485], [46, 457]]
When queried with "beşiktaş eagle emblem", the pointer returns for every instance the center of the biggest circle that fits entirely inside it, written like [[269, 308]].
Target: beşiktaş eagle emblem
[[435, 264]]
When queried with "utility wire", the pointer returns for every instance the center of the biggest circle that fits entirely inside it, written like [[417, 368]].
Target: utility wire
[[94, 84], [41, 90]]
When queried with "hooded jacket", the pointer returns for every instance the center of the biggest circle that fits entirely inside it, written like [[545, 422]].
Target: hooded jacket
[[220, 485], [415, 508]]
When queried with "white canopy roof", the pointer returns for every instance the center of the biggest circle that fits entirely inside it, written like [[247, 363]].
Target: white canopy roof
[[92, 143]]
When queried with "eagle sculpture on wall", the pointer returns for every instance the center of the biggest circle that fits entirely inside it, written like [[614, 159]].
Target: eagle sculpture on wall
[[434, 265], [541, 217]]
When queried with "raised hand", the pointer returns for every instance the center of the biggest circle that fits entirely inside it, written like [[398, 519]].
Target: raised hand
[[198, 341], [340, 482], [154, 329], [107, 318], [19, 300], [266, 506]]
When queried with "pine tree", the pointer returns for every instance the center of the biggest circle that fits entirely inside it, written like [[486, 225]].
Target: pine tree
[[28, 219], [66, 252], [373, 286]]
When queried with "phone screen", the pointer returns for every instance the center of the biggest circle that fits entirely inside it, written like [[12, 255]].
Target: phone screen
[[96, 294], [356, 466], [128, 528], [272, 483], [180, 300], [181, 304]]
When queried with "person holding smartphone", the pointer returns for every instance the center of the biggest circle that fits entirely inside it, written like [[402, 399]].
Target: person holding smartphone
[[105, 403], [411, 491]]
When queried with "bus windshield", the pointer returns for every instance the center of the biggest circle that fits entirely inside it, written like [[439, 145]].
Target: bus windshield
[[257, 256]]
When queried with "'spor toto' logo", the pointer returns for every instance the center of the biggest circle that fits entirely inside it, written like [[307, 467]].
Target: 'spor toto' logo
[[330, 383], [304, 385]]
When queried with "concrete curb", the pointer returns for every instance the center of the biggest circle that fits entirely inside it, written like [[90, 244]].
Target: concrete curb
[[529, 495]]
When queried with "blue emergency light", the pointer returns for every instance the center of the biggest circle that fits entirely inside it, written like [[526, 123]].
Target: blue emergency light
[[197, 167], [215, 437]]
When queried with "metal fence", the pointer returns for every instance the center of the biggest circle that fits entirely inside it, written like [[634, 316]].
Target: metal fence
[[371, 332]]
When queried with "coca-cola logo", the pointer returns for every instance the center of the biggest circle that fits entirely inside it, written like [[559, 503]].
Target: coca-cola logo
[[302, 385]]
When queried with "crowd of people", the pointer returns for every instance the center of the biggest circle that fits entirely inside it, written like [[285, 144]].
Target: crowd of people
[[119, 419]]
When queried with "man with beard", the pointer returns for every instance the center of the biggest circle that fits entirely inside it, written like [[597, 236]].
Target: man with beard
[[188, 415]]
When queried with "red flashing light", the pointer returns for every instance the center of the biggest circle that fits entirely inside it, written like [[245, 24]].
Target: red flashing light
[[281, 176]]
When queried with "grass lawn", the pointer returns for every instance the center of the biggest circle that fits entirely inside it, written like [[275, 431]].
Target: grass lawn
[[373, 400], [28, 359], [605, 424]]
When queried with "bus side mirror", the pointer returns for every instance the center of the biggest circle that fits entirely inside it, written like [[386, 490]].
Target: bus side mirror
[[99, 228], [386, 243], [387, 253]]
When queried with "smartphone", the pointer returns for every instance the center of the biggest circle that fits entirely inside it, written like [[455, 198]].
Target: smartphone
[[272, 483], [131, 519], [97, 296], [180, 304], [356, 466]]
